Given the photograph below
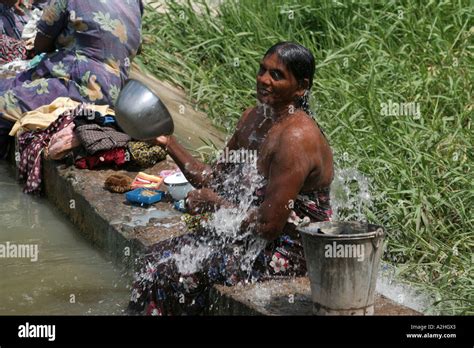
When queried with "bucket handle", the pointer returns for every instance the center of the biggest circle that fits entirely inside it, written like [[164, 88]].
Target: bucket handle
[[378, 237]]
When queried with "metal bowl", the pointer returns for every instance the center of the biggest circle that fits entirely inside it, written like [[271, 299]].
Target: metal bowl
[[141, 113]]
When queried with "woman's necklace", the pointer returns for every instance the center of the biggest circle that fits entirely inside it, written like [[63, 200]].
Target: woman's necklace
[[265, 115]]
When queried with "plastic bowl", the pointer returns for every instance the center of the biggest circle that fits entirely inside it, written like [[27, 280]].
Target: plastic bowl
[[178, 186], [141, 113]]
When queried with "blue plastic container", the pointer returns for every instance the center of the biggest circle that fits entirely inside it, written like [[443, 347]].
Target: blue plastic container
[[180, 206], [136, 196]]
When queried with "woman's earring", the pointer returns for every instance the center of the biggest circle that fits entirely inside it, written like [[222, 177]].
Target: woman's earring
[[303, 99]]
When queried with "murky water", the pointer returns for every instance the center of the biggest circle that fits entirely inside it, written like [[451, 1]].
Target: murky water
[[69, 277]]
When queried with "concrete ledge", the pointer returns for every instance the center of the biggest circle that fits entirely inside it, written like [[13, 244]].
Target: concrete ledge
[[282, 297], [106, 219]]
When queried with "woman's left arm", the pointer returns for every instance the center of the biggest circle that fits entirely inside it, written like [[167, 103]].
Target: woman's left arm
[[51, 24]]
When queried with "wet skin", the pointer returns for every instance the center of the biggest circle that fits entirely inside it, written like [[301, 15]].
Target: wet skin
[[293, 155]]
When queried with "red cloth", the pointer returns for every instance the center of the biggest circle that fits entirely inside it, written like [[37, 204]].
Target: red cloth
[[11, 49], [115, 156]]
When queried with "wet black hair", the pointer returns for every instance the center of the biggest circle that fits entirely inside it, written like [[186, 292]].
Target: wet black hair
[[300, 61]]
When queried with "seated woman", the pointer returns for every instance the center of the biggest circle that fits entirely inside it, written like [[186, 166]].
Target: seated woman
[[295, 165], [91, 45]]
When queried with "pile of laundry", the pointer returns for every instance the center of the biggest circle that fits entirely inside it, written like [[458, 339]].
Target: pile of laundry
[[88, 135]]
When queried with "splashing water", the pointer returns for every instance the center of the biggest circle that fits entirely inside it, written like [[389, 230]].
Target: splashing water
[[350, 195], [393, 288], [239, 185], [190, 258]]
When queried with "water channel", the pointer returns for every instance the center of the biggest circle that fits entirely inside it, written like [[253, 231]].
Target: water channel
[[69, 277]]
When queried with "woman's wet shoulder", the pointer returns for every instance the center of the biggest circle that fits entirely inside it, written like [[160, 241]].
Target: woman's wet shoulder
[[299, 123]]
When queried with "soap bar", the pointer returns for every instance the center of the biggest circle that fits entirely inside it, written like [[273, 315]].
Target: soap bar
[[143, 180]]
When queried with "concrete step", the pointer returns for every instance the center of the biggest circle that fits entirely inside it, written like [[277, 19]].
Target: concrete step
[[111, 224], [285, 296]]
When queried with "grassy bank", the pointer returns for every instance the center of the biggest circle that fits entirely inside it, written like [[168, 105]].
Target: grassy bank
[[371, 58]]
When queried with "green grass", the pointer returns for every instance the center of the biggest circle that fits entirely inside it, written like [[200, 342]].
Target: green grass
[[367, 53]]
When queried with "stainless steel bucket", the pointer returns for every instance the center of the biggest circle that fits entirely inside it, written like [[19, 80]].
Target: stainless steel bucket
[[141, 113], [342, 260]]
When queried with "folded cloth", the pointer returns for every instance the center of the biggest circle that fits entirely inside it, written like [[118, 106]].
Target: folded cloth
[[11, 49], [144, 154], [31, 145], [43, 116], [10, 70], [95, 138], [115, 156], [118, 183], [97, 118], [61, 143]]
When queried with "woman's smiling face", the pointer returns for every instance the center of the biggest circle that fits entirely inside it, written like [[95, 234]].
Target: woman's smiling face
[[276, 85]]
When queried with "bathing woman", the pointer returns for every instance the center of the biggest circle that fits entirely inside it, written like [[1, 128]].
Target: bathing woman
[[296, 163]]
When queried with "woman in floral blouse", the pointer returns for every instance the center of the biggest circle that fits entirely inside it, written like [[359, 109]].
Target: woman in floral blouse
[[90, 45]]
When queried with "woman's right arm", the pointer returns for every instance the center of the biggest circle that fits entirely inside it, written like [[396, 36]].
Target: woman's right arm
[[198, 173], [195, 171]]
